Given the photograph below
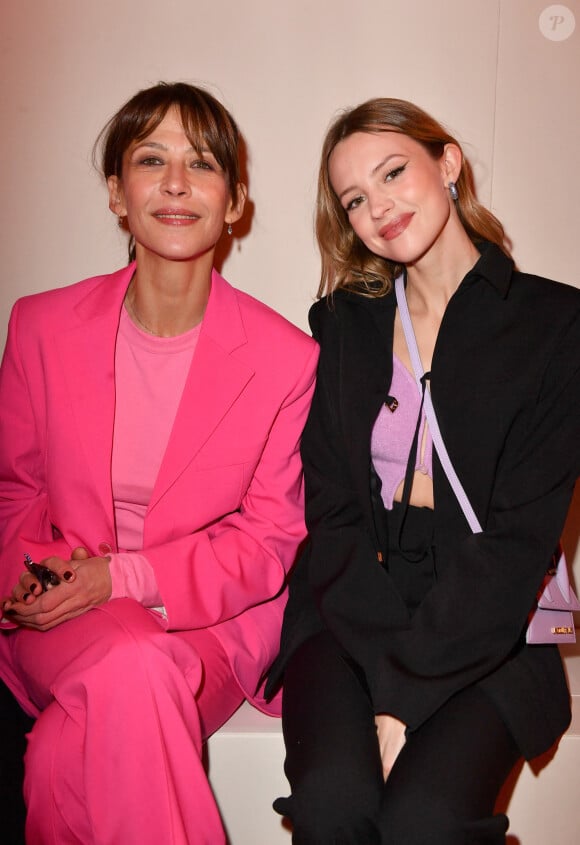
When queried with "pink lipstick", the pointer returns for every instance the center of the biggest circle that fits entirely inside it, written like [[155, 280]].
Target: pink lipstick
[[396, 227]]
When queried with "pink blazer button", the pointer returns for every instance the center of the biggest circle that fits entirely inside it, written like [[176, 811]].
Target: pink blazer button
[[105, 549]]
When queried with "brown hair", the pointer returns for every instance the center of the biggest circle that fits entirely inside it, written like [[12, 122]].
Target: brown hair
[[346, 261], [207, 124]]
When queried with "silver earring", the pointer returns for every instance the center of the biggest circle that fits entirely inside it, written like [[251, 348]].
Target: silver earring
[[230, 230], [453, 192]]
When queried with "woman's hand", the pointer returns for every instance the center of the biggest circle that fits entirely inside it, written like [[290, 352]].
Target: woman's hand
[[84, 582], [391, 736]]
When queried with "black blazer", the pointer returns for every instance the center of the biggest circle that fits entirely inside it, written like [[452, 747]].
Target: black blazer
[[505, 382]]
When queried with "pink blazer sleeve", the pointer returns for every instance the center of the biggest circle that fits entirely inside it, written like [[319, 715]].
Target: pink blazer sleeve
[[25, 523]]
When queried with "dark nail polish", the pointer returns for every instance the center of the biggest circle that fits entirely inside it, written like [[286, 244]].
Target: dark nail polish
[[9, 612], [33, 588], [67, 575], [25, 596]]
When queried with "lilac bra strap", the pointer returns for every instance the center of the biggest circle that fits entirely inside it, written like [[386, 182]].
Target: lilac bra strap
[[436, 437]]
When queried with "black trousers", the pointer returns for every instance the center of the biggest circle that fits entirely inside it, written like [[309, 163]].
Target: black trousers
[[441, 791], [444, 785], [14, 724]]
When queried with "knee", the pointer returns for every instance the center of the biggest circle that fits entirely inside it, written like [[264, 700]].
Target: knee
[[323, 814], [118, 633], [126, 648]]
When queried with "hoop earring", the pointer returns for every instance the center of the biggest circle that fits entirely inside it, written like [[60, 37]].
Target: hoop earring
[[453, 192], [230, 230]]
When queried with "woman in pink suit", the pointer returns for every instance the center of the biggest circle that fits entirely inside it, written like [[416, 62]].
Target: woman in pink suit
[[149, 458]]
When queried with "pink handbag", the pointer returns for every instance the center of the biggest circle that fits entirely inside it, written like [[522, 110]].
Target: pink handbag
[[551, 620]]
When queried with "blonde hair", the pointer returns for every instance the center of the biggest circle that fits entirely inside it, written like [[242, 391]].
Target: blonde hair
[[346, 261]]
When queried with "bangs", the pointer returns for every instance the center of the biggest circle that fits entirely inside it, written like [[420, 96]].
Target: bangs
[[206, 122]]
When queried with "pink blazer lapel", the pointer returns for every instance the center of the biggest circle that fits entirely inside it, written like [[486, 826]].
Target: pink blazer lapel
[[215, 380], [87, 357]]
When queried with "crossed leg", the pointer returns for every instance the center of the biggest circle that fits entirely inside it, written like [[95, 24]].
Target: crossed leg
[[115, 755]]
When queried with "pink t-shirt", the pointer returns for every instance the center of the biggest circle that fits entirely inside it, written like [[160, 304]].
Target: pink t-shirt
[[393, 432], [150, 374]]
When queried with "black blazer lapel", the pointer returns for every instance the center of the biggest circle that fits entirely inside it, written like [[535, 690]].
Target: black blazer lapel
[[365, 378]]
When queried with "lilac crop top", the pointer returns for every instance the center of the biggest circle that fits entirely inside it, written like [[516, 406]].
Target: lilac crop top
[[393, 432]]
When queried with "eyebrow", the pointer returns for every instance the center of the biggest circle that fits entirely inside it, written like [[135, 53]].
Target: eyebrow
[[373, 172], [155, 145]]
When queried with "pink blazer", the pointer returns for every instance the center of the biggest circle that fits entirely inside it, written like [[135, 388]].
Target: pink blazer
[[226, 515]]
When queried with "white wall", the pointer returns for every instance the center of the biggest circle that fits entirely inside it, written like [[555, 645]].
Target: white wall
[[482, 66]]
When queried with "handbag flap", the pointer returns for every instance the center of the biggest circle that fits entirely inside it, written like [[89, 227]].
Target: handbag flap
[[557, 594]]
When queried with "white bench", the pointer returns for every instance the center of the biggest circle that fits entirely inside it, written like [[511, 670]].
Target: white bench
[[245, 766]]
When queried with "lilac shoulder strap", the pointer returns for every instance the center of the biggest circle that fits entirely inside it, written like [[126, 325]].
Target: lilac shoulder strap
[[456, 485]]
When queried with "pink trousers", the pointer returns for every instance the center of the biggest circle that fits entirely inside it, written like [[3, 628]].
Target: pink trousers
[[114, 757]]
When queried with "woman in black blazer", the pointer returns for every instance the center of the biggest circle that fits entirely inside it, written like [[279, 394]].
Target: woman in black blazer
[[409, 690]]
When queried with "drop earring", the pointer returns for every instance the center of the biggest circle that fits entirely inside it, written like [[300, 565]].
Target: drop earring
[[230, 230], [453, 192], [121, 221]]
